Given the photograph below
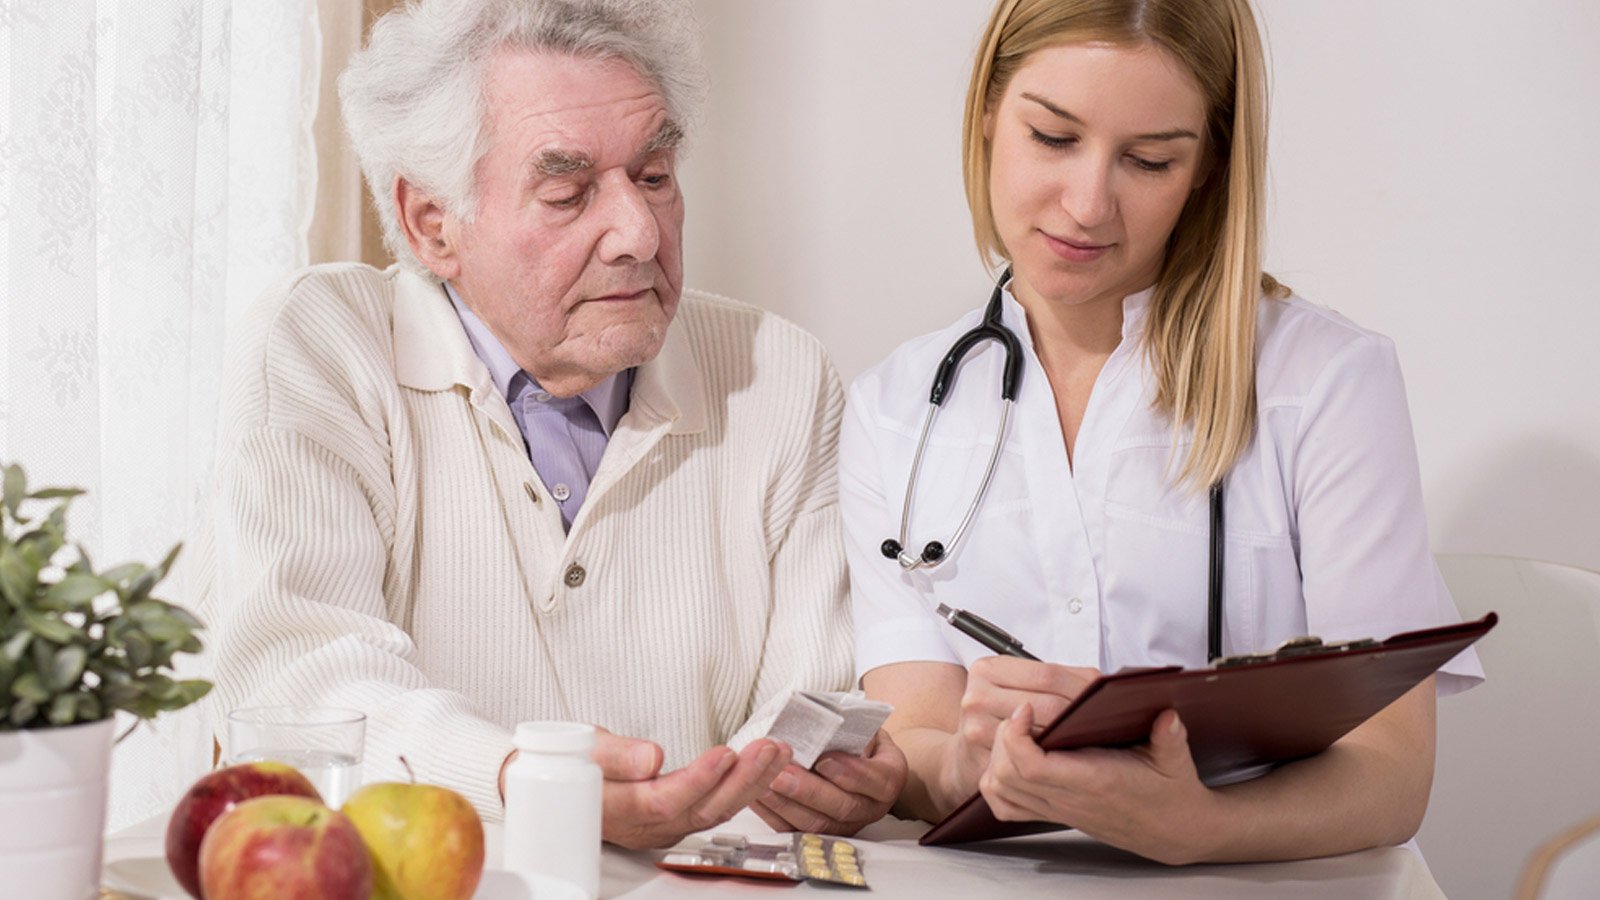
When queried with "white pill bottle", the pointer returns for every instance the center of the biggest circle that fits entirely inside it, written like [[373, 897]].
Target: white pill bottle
[[553, 797]]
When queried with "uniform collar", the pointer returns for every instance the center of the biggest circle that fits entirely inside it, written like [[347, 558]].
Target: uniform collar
[[432, 352], [1135, 307]]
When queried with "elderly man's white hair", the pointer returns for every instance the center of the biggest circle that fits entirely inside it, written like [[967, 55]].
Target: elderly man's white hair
[[413, 98]]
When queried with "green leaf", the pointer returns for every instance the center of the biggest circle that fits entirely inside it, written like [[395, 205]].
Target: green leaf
[[123, 572], [18, 645], [51, 628], [140, 589], [16, 578], [189, 619], [16, 487], [63, 709], [77, 590], [22, 713], [57, 494], [29, 686], [138, 648], [68, 667], [166, 629], [88, 708], [165, 565]]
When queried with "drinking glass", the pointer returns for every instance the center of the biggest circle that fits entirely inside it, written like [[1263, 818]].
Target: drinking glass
[[324, 743]]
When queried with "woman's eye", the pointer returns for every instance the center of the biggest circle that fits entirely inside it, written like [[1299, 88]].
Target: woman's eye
[[1150, 165], [1052, 141]]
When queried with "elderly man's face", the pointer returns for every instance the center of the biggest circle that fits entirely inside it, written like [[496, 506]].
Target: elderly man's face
[[574, 258]]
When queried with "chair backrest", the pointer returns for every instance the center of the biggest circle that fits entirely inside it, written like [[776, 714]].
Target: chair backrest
[[1519, 755], [1567, 867]]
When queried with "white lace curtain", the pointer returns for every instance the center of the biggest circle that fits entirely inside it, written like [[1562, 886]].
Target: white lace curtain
[[157, 173]]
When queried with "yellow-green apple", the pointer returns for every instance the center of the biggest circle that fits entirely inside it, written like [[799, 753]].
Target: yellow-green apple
[[278, 847], [426, 841], [214, 794]]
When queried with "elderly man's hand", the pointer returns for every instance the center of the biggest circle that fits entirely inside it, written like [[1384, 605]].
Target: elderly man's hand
[[845, 794], [645, 809]]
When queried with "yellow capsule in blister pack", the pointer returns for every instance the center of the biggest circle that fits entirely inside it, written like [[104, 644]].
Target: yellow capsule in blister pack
[[829, 859]]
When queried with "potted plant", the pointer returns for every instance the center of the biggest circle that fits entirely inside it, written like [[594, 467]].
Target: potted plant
[[76, 646]]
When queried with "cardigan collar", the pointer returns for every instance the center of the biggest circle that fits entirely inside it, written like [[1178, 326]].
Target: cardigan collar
[[432, 353]]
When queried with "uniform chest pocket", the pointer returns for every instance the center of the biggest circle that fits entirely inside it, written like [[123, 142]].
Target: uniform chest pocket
[[1158, 546]]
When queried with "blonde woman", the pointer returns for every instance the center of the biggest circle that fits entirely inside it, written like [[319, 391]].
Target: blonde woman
[[1114, 164]]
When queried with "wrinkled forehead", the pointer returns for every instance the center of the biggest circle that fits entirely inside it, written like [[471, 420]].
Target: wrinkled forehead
[[586, 102]]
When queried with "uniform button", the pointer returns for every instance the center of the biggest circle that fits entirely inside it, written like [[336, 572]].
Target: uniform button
[[532, 494], [575, 575], [1074, 606], [561, 492]]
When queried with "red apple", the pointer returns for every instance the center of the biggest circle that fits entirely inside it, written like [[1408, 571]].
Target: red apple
[[276, 847], [426, 841], [214, 794]]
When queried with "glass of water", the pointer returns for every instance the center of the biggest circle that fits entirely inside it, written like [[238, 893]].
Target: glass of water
[[324, 743]]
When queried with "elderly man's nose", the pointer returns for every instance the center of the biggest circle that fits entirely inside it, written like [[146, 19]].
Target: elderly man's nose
[[631, 229]]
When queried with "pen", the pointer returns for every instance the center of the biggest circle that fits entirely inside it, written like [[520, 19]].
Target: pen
[[984, 632]]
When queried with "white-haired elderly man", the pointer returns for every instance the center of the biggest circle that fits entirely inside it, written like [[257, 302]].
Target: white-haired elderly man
[[522, 475]]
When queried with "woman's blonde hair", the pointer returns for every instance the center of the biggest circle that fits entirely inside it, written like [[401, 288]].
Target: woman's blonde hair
[[1201, 332]]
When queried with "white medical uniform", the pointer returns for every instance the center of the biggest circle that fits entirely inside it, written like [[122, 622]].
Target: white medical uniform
[[1103, 562]]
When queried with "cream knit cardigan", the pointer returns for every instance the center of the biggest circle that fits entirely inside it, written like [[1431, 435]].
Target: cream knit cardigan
[[376, 537]]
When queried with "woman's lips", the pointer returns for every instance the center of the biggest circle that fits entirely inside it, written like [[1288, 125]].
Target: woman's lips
[[1075, 251]]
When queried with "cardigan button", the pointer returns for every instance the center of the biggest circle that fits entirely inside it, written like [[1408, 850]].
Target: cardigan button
[[575, 575]]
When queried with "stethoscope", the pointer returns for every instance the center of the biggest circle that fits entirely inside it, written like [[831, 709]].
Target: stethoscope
[[992, 328]]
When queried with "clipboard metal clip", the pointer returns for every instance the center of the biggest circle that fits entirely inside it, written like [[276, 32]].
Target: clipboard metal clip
[[1305, 645]]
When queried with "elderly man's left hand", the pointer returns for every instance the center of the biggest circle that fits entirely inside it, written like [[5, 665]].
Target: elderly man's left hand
[[647, 809], [843, 795]]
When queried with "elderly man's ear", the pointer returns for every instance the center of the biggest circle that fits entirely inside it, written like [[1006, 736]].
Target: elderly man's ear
[[430, 231]]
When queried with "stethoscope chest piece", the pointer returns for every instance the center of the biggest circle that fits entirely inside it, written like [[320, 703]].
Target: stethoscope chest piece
[[992, 328]]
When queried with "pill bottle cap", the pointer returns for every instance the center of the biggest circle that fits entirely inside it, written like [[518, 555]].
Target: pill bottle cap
[[554, 737]]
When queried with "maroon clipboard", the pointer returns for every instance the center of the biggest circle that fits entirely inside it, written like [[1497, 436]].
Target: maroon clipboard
[[1242, 714]]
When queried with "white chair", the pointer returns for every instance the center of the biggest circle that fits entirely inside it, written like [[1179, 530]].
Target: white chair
[[1519, 755], [1567, 867]]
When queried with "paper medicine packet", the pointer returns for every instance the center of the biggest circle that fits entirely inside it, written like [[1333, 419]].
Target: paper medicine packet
[[816, 722]]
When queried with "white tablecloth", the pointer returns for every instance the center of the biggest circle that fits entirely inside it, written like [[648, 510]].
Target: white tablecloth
[[1060, 865]]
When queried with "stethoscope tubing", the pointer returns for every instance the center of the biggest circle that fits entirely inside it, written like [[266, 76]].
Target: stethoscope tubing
[[992, 328]]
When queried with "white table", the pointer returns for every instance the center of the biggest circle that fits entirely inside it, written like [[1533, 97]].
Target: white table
[[1060, 865]]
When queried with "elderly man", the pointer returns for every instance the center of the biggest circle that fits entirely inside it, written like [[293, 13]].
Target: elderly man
[[522, 475]]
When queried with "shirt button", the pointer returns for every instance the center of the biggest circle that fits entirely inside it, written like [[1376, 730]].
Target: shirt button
[[1074, 606], [542, 396], [575, 576], [561, 492]]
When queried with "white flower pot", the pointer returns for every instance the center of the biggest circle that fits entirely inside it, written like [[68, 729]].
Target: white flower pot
[[53, 810]]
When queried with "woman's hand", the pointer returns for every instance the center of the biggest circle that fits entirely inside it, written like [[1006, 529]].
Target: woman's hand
[[1148, 799], [997, 687], [845, 793]]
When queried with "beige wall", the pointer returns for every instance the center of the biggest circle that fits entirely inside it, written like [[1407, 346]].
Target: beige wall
[[345, 226], [1432, 178]]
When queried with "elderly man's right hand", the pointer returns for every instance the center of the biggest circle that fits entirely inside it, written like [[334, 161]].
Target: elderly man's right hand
[[645, 809]]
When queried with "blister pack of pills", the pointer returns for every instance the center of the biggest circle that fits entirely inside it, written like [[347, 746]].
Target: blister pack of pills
[[793, 857]]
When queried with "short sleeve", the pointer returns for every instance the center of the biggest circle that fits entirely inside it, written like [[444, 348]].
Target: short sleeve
[[1366, 565], [893, 618]]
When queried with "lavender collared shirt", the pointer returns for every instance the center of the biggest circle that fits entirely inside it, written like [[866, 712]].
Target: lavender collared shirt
[[564, 436]]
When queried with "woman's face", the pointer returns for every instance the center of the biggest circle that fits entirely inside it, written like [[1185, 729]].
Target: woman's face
[[1095, 148]]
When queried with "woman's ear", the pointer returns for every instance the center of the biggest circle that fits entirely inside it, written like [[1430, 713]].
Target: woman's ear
[[429, 230]]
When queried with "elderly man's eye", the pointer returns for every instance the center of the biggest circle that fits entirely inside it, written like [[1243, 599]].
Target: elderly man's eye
[[570, 202], [656, 181]]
